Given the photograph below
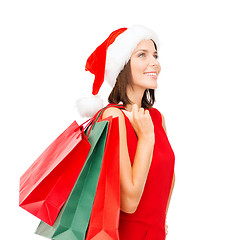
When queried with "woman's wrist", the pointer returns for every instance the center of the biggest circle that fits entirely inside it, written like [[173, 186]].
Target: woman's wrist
[[149, 139]]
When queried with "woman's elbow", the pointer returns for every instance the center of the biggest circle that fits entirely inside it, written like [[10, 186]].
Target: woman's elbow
[[129, 210], [128, 206]]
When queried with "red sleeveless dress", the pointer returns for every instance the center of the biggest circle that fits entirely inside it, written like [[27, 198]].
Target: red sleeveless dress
[[148, 221]]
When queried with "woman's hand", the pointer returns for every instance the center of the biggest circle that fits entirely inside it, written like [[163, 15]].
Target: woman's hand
[[141, 122]]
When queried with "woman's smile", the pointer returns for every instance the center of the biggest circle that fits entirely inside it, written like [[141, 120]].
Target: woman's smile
[[153, 75]]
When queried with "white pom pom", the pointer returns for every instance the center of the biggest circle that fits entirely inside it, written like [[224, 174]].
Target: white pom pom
[[89, 106]]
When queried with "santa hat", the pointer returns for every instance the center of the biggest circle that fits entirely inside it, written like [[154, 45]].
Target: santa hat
[[108, 60]]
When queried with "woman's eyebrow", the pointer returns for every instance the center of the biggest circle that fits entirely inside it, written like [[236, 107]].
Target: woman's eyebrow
[[144, 50]]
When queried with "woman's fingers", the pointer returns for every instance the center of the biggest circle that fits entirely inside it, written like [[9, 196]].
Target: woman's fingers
[[135, 110], [141, 121]]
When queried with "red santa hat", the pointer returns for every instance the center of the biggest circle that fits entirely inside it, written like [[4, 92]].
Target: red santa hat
[[108, 60]]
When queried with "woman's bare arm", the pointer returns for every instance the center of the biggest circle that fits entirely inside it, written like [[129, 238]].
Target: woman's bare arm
[[132, 178]]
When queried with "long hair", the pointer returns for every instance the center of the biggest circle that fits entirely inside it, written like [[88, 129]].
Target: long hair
[[119, 92]]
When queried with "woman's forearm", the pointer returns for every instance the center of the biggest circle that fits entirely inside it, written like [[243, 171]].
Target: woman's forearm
[[141, 166]]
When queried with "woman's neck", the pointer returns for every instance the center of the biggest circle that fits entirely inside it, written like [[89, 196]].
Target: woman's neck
[[135, 96]]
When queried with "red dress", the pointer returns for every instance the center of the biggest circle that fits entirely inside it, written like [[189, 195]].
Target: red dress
[[148, 221]]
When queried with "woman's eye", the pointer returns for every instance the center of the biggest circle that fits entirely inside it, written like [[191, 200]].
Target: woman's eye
[[142, 54], [156, 56]]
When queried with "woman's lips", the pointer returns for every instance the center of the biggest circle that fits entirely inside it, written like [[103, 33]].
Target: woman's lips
[[151, 74]]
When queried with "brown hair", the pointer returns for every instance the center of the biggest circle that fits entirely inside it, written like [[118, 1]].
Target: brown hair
[[119, 92]]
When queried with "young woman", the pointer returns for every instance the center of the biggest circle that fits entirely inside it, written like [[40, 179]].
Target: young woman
[[146, 157]]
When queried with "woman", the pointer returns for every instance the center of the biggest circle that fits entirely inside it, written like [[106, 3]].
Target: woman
[[146, 157]]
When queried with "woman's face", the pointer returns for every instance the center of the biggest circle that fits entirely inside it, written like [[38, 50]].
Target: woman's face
[[145, 67]]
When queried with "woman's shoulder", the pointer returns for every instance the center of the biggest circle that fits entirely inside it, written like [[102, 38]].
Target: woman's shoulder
[[116, 111], [113, 111]]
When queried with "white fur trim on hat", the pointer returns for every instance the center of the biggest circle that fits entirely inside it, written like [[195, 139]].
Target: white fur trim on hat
[[89, 106], [120, 51]]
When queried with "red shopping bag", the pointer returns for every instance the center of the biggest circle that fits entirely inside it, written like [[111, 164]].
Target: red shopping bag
[[46, 185], [104, 219]]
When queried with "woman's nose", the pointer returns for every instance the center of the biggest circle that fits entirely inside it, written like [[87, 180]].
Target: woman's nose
[[154, 62]]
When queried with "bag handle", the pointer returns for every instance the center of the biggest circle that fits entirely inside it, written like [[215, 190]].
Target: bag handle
[[99, 114]]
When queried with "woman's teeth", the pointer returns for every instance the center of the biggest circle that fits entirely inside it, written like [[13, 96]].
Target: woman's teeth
[[151, 74]]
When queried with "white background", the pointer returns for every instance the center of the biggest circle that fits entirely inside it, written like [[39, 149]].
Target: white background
[[44, 47]]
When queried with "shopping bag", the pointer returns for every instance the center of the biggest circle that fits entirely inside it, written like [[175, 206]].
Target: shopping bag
[[47, 183], [73, 220], [105, 213]]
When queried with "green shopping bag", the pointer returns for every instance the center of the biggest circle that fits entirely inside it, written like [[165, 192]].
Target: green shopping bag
[[72, 221]]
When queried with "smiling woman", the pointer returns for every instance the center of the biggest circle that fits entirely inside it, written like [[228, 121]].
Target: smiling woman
[[146, 157]]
